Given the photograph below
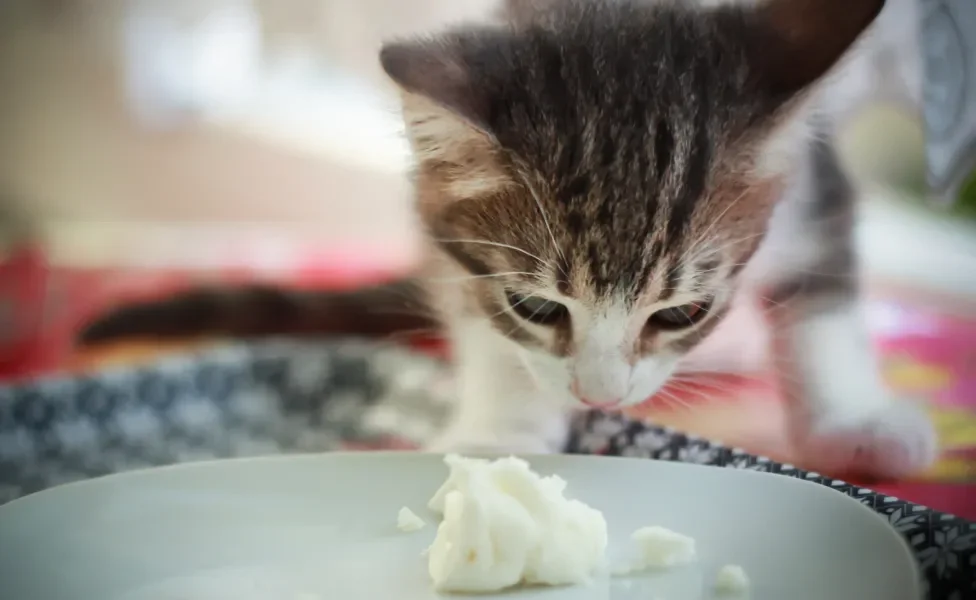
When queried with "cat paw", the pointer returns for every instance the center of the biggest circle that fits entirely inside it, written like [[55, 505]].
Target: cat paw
[[896, 441], [479, 442]]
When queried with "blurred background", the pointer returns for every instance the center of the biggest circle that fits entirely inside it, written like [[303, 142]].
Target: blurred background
[[217, 137], [149, 144]]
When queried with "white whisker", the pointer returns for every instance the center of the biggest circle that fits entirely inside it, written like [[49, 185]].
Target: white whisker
[[674, 400], [717, 219], [496, 244], [697, 394], [470, 277], [686, 257], [545, 219], [509, 308], [524, 359], [689, 386]]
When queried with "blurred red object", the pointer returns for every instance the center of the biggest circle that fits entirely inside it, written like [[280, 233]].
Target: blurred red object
[[23, 308]]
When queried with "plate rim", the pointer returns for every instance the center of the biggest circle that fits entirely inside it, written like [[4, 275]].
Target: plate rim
[[903, 544]]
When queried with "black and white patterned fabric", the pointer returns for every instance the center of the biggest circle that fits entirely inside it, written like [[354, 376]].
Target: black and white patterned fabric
[[281, 397]]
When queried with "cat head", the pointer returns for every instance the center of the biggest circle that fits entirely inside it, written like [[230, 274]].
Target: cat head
[[605, 168]]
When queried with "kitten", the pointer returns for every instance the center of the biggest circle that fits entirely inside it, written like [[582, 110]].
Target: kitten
[[604, 179]]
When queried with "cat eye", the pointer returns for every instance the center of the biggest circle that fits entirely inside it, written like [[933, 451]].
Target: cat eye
[[537, 309], [680, 317]]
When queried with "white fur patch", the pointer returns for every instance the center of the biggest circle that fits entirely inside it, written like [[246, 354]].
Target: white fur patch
[[602, 372], [833, 358], [606, 370], [504, 404], [785, 146], [792, 243], [843, 417]]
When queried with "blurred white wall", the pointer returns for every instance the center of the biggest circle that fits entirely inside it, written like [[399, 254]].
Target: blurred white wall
[[317, 153]]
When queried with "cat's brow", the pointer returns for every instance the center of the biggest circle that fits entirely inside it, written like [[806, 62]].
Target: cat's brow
[[701, 272], [479, 263], [671, 281], [497, 245]]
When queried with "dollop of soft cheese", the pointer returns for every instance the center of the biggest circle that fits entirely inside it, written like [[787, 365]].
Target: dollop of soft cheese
[[504, 524]]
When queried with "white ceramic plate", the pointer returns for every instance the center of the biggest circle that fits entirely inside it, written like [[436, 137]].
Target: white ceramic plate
[[323, 527]]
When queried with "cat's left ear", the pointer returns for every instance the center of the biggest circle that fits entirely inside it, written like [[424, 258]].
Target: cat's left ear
[[439, 70], [446, 108], [796, 42]]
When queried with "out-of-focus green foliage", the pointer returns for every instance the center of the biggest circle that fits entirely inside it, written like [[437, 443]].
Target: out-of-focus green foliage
[[966, 202]]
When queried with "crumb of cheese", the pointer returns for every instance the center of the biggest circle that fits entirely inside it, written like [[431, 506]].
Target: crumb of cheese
[[660, 548], [408, 521], [731, 579]]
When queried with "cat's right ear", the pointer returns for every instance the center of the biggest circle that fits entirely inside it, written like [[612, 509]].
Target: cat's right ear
[[446, 110], [798, 41]]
